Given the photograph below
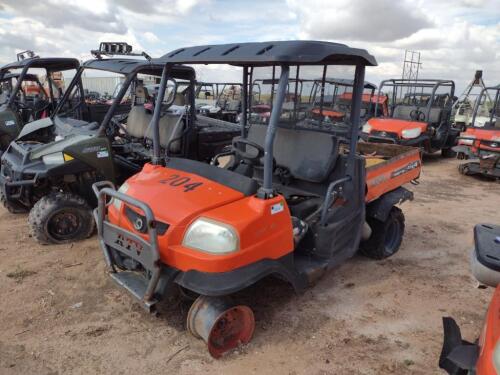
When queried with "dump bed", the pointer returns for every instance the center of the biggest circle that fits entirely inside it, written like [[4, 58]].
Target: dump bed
[[388, 166]]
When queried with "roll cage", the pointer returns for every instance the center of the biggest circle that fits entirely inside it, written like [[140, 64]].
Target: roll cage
[[416, 92], [128, 67], [50, 64], [283, 54]]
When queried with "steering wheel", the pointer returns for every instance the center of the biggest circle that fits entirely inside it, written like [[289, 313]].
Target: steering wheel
[[240, 147], [417, 115]]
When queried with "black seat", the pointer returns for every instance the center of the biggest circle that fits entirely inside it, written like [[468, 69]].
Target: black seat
[[308, 155]]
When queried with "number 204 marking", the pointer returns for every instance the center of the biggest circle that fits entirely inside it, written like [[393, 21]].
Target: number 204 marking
[[181, 181]]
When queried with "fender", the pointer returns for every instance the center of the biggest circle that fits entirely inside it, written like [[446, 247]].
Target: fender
[[380, 208]]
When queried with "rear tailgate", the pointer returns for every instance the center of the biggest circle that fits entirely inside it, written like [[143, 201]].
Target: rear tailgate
[[388, 167]]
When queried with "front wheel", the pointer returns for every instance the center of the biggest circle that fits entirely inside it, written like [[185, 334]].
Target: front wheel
[[60, 218], [386, 236]]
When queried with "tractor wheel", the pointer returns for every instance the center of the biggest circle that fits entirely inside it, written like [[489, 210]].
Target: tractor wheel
[[386, 236], [60, 218], [448, 153], [464, 169]]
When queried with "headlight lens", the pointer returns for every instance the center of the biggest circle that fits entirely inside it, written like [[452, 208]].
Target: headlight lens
[[53, 159], [411, 133], [117, 202], [211, 236], [367, 128]]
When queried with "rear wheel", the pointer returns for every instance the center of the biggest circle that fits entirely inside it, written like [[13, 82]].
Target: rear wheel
[[60, 218], [386, 236]]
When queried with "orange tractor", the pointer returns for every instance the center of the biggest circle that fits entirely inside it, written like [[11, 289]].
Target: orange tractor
[[294, 200], [481, 140], [419, 116]]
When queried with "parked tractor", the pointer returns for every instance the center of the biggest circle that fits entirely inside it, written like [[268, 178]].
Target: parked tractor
[[23, 95], [294, 201], [419, 116], [481, 140]]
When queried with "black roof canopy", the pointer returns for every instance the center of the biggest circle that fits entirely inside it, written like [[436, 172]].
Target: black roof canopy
[[294, 52], [49, 63], [127, 66]]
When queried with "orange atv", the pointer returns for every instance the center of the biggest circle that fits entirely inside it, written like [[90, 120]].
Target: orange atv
[[482, 357], [481, 141], [294, 201], [419, 116]]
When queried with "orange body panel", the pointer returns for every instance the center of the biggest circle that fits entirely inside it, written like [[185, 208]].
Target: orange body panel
[[480, 135], [489, 337], [263, 234], [330, 113], [393, 173], [395, 125]]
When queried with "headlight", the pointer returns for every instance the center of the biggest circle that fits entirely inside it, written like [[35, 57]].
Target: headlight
[[117, 202], [53, 159], [411, 133], [367, 128], [211, 236]]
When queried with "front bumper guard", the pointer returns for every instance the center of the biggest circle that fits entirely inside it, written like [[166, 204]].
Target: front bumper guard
[[129, 244]]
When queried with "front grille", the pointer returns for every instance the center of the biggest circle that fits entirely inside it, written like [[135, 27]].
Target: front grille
[[140, 224], [384, 134]]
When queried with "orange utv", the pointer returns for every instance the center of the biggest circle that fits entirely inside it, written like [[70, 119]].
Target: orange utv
[[481, 140], [419, 116], [293, 202]]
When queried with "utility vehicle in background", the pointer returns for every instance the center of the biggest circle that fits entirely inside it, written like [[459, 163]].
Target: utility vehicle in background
[[51, 166], [222, 100], [463, 108], [481, 140], [419, 116], [458, 356], [293, 202], [23, 95]]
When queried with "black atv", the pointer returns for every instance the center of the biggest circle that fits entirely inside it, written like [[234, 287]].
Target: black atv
[[51, 166], [23, 97]]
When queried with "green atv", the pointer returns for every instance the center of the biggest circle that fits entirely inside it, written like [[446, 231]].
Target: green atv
[[51, 166], [23, 97]]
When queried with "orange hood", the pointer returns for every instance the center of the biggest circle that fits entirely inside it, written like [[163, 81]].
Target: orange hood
[[482, 134], [395, 125], [176, 196]]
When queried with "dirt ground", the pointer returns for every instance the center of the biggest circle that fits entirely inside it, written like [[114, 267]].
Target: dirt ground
[[61, 314]]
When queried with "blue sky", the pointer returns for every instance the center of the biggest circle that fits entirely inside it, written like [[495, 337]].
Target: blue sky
[[455, 37]]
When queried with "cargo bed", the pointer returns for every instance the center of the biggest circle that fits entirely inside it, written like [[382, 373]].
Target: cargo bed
[[388, 166]]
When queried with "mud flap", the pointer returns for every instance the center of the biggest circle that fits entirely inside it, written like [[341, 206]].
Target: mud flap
[[457, 356]]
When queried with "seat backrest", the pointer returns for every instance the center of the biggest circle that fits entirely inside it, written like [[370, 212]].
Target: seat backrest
[[138, 121], [171, 127], [402, 112], [435, 115], [308, 155]]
